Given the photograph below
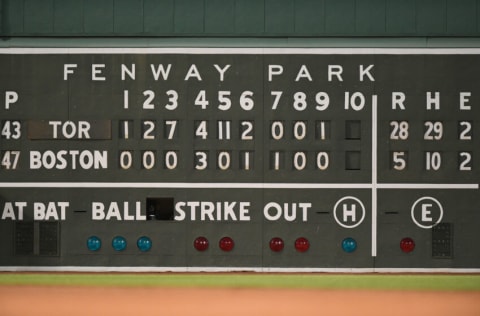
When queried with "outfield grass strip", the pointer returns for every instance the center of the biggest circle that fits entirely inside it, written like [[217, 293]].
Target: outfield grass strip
[[250, 280]]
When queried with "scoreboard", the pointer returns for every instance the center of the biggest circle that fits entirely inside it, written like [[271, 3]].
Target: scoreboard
[[257, 159]]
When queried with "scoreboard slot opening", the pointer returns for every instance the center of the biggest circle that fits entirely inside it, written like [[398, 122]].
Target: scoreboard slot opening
[[352, 160], [353, 130], [442, 241], [160, 209]]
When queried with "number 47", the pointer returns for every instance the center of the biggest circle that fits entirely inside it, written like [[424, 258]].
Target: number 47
[[10, 159]]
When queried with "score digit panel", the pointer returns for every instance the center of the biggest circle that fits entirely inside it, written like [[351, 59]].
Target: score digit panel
[[226, 159]]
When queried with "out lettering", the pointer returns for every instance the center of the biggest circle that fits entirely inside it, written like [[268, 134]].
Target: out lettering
[[289, 211]]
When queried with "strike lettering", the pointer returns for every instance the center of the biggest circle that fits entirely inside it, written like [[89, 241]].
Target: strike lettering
[[212, 211]]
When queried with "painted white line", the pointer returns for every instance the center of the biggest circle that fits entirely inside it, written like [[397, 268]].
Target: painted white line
[[232, 269], [374, 176], [233, 185], [438, 186], [229, 185], [240, 50], [185, 185]]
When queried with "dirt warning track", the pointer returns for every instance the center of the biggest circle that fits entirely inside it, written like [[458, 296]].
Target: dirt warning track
[[119, 301]]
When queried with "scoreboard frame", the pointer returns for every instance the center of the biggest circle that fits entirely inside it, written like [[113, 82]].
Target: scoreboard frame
[[101, 129]]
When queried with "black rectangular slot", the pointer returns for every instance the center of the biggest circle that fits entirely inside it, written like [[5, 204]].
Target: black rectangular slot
[[161, 209], [442, 241], [24, 238], [48, 239]]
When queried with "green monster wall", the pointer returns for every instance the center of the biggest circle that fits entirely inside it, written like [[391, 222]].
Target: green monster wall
[[239, 135], [240, 18]]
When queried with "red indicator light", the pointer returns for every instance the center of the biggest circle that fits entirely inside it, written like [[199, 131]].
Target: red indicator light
[[302, 244], [407, 245], [276, 244], [226, 244], [201, 243]]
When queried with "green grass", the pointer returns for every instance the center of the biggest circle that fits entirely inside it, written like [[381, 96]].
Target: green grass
[[251, 280]]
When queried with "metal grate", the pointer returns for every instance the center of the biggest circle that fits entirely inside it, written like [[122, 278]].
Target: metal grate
[[24, 238], [37, 238], [442, 241], [48, 239]]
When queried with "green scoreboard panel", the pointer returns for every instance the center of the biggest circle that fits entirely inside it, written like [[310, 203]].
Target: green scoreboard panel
[[151, 159]]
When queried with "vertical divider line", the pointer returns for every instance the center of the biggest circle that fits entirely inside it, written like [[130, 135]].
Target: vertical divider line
[[374, 175]]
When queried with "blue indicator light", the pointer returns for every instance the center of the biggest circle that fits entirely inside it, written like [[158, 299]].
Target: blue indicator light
[[349, 245], [94, 243], [119, 243], [144, 243]]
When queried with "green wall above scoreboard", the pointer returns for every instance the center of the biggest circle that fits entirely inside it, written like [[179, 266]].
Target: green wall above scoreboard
[[240, 18]]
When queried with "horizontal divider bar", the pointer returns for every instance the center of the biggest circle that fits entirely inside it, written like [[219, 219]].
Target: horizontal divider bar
[[232, 185], [233, 269]]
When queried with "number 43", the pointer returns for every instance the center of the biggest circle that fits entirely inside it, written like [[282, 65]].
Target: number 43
[[11, 130]]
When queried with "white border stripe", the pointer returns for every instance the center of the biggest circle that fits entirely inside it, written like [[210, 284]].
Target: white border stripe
[[445, 186], [374, 176], [233, 185], [240, 50], [232, 269], [184, 185]]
